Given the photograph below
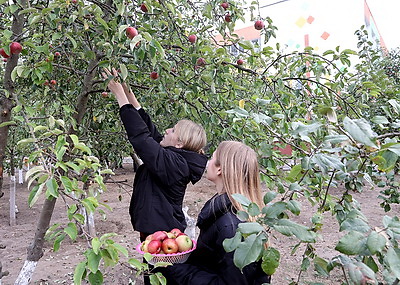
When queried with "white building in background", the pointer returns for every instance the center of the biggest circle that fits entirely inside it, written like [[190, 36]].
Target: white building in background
[[320, 24]]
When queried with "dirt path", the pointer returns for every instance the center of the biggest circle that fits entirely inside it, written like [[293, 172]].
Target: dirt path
[[58, 267]]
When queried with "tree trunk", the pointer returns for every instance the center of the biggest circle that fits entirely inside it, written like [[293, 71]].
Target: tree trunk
[[7, 102], [35, 250], [83, 98]]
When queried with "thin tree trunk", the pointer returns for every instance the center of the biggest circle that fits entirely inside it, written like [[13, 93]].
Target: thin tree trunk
[[7, 103], [13, 218], [35, 250]]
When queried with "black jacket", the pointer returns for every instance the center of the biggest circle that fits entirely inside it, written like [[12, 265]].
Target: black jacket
[[209, 263], [160, 182]]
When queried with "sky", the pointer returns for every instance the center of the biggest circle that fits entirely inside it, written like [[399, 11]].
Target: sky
[[387, 16], [339, 18]]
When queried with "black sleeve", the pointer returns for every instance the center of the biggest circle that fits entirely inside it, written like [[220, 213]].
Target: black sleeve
[[165, 164], [226, 271], [152, 128]]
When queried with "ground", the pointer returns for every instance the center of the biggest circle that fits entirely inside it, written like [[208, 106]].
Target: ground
[[58, 267]]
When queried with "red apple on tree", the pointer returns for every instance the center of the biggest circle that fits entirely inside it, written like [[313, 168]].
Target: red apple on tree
[[169, 246], [154, 246], [192, 38], [184, 243], [46, 83], [57, 53], [259, 25], [201, 61], [225, 5], [228, 18], [53, 82], [104, 94], [3, 53], [240, 61], [15, 48], [154, 75], [143, 7], [131, 32]]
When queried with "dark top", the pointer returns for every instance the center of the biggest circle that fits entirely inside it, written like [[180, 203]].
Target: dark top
[[209, 263], [160, 182]]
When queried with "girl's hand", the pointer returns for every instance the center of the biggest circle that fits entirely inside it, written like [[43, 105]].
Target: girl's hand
[[115, 86]]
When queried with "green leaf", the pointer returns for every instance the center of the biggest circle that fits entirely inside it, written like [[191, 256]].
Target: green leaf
[[124, 71], [294, 207], [270, 260], [71, 211], [334, 139], [354, 224], [93, 260], [80, 272], [253, 209], [136, 264], [294, 173], [250, 228], [71, 231], [352, 243], [395, 148], [57, 242], [243, 200], [321, 266], [248, 251], [52, 188], [96, 278], [67, 183], [230, 244], [26, 141], [274, 210], [96, 245], [8, 123], [380, 120], [289, 228], [120, 248], [376, 242], [34, 194], [360, 130], [395, 105], [269, 196], [393, 260]]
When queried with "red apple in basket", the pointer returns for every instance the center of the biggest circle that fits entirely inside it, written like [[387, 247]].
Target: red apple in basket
[[159, 235], [154, 246], [184, 242], [169, 246], [175, 232]]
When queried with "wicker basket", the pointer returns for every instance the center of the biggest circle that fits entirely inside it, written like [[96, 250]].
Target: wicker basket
[[179, 257]]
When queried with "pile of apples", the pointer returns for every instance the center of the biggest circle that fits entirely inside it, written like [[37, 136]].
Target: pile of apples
[[162, 242]]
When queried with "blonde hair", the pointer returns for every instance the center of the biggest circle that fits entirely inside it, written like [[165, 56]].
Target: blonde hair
[[191, 135], [239, 172]]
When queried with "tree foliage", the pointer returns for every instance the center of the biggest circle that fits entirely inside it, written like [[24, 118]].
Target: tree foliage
[[338, 112]]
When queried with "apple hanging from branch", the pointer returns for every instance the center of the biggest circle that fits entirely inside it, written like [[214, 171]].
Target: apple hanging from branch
[[3, 53], [259, 25], [15, 48], [131, 32], [225, 5], [192, 38]]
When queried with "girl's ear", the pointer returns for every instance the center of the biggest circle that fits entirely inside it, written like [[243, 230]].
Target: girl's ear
[[179, 145], [219, 172]]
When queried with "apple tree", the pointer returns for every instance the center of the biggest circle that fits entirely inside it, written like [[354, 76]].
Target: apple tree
[[326, 109]]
